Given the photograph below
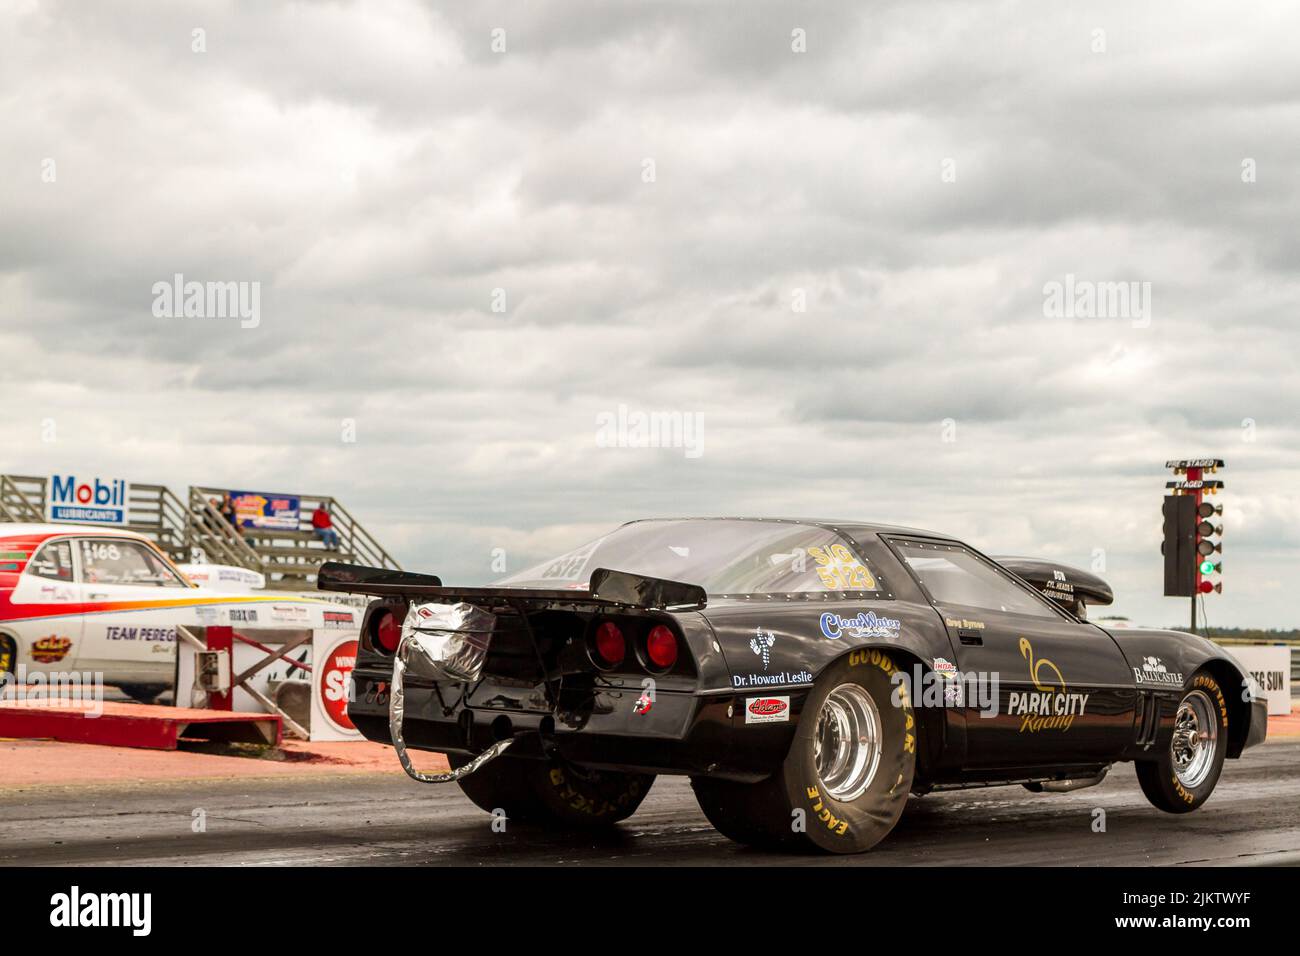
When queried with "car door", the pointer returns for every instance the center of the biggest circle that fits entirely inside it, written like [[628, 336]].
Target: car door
[[1064, 692], [130, 625], [46, 617]]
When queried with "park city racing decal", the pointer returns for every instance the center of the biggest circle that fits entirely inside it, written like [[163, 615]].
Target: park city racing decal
[[866, 624], [1051, 705]]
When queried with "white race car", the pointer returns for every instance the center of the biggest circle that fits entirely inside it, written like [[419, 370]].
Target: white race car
[[92, 600]]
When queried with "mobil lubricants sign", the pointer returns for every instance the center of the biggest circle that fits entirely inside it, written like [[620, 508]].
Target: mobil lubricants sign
[[87, 500]]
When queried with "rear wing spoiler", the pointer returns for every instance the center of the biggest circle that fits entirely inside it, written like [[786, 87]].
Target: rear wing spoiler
[[1060, 582], [606, 589]]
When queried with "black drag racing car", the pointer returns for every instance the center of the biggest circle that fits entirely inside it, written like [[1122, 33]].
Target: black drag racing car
[[806, 675]]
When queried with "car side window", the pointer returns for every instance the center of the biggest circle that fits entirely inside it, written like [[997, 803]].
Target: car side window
[[114, 561], [953, 575], [53, 560]]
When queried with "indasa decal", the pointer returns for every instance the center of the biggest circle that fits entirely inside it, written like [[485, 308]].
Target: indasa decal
[[339, 619], [767, 710], [1051, 705]]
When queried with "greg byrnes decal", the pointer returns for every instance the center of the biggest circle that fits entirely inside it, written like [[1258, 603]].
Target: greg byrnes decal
[[866, 624], [1154, 671], [767, 710], [761, 644]]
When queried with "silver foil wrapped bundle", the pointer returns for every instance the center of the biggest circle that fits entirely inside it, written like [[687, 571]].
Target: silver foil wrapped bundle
[[442, 642], [446, 642]]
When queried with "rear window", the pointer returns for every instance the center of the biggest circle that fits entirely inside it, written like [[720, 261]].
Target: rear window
[[723, 556], [53, 561]]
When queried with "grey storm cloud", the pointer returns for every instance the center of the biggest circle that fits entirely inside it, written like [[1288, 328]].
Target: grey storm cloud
[[839, 262]]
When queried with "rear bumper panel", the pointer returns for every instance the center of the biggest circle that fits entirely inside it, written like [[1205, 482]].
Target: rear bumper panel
[[681, 733]]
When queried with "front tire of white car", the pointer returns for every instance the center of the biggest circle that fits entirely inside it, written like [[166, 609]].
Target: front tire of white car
[[8, 657], [143, 693]]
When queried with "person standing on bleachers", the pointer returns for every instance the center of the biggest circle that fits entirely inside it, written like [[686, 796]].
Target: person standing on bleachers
[[323, 525], [227, 509]]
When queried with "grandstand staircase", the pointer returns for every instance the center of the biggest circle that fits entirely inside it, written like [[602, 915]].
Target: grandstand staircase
[[193, 531]]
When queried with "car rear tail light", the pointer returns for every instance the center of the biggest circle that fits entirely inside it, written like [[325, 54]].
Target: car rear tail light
[[609, 645], [661, 647], [385, 631]]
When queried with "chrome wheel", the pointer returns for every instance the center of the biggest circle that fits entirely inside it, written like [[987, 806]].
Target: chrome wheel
[[847, 745], [1196, 737]]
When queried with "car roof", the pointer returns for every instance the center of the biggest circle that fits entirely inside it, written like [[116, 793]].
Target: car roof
[[848, 526], [52, 529]]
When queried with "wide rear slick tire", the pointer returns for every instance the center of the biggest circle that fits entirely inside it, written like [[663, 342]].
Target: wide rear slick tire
[[553, 792], [829, 794], [1184, 775]]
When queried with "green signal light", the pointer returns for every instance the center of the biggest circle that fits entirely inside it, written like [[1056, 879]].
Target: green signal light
[[1207, 567]]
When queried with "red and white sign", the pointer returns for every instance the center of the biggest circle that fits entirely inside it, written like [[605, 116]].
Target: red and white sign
[[767, 710], [332, 661]]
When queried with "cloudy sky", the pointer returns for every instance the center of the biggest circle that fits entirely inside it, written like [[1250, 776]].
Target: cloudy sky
[[820, 232]]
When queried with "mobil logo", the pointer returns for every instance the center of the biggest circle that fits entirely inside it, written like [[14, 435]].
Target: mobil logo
[[87, 500]]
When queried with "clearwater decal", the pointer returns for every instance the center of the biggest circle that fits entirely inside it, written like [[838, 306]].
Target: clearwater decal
[[866, 624], [1153, 671], [1051, 705], [767, 710], [761, 644]]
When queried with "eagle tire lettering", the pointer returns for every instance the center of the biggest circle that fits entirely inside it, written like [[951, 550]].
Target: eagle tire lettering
[[759, 814], [1159, 777]]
